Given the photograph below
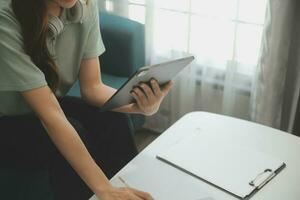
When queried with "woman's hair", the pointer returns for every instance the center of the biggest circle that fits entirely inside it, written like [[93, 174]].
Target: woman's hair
[[33, 18]]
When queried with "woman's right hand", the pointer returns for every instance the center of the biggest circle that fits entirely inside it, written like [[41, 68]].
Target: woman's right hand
[[124, 194]]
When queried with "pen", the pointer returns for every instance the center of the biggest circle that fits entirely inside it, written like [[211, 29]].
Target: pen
[[123, 181]]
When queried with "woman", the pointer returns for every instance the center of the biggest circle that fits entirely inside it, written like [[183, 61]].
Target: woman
[[45, 45]]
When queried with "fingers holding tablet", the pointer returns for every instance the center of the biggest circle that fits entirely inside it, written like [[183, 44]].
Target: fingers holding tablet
[[148, 98], [156, 88], [166, 88], [160, 91], [139, 96], [148, 92]]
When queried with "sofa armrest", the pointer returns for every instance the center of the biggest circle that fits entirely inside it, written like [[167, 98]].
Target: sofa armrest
[[124, 41]]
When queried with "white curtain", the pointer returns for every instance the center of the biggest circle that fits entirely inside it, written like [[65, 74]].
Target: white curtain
[[226, 37], [270, 82]]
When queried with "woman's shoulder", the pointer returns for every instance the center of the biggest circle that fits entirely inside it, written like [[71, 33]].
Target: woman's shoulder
[[8, 20], [6, 10], [92, 9], [10, 29], [92, 5], [11, 43], [4, 4]]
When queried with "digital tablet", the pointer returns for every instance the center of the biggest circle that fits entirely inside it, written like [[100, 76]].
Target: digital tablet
[[163, 73]]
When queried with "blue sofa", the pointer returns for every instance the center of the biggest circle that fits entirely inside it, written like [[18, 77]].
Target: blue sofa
[[124, 41], [125, 44]]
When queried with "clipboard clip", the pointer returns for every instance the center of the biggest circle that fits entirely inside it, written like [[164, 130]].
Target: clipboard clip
[[262, 178]]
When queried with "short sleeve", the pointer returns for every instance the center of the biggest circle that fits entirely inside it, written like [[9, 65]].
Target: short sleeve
[[94, 45], [17, 71]]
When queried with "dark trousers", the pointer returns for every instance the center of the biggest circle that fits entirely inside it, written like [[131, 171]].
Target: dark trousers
[[25, 145]]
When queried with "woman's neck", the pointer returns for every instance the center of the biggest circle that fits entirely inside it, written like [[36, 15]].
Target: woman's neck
[[53, 8]]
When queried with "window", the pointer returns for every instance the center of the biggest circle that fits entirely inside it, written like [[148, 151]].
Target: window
[[220, 33]]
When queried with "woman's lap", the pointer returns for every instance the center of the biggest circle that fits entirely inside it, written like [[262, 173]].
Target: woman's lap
[[106, 134], [26, 145]]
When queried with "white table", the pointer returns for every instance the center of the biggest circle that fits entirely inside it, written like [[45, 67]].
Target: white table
[[284, 146]]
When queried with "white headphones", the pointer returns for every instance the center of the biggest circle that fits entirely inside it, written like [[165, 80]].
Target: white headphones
[[76, 14]]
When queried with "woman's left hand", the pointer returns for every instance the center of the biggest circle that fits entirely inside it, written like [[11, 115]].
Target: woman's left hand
[[148, 99]]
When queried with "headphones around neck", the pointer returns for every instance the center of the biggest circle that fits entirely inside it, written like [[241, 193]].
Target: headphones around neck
[[76, 14]]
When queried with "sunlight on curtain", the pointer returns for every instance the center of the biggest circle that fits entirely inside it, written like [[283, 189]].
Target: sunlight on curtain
[[223, 35]]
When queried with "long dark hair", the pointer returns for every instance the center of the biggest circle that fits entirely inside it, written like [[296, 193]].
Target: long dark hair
[[33, 18]]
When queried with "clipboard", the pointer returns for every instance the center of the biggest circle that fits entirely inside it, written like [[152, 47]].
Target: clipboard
[[238, 170]]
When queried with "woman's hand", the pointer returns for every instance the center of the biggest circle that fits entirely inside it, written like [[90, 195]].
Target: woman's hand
[[124, 194], [148, 99]]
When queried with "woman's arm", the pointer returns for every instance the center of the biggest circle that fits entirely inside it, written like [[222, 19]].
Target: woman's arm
[[96, 93], [66, 139], [91, 86]]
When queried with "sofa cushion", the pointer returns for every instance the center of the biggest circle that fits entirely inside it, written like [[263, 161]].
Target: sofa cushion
[[124, 41]]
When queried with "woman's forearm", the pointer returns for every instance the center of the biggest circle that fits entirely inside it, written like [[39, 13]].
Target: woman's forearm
[[72, 148], [45, 105], [99, 94]]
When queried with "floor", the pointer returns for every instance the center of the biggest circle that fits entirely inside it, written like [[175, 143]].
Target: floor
[[144, 137]]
